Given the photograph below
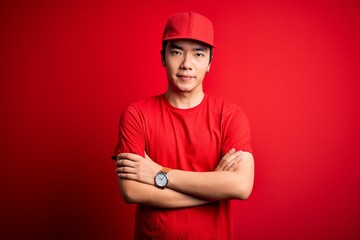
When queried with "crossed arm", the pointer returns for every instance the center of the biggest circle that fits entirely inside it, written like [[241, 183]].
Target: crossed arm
[[232, 179]]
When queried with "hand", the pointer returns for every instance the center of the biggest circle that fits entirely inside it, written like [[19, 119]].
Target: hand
[[229, 161], [134, 167]]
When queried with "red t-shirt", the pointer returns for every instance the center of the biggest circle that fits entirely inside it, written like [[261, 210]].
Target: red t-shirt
[[192, 139]]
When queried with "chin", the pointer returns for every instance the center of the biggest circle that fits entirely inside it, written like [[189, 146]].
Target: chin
[[186, 89], [183, 88]]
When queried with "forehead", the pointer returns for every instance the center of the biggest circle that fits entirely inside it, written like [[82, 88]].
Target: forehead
[[187, 43]]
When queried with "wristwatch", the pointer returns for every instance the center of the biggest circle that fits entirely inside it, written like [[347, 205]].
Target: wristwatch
[[161, 178]]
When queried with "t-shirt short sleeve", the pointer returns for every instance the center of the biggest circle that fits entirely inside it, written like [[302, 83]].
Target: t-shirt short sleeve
[[237, 132], [131, 133]]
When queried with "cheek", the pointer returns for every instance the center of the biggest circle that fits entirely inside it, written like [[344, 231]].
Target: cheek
[[168, 68], [171, 67], [203, 70]]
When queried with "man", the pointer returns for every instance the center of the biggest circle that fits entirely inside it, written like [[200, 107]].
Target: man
[[182, 155]]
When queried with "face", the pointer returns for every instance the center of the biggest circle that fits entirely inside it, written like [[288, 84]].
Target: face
[[186, 63]]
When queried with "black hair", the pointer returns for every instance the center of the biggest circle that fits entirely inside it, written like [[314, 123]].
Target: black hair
[[163, 49]]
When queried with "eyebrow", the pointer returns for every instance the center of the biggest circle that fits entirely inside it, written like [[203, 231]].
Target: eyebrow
[[200, 49], [174, 46]]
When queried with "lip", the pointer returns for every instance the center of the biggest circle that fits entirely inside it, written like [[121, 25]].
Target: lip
[[185, 77]]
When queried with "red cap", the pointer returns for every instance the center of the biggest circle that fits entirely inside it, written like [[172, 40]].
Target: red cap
[[189, 25]]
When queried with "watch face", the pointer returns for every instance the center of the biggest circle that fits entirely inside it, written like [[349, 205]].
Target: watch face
[[161, 180]]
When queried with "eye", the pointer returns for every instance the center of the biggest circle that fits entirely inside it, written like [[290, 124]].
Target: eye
[[199, 54], [174, 52]]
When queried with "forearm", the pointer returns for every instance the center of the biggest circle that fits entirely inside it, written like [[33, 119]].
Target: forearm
[[140, 193], [207, 185], [220, 184], [217, 185]]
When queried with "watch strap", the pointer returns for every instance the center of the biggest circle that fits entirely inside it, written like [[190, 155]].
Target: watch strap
[[165, 170]]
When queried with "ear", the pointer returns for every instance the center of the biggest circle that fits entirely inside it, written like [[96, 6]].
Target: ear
[[208, 68], [162, 58]]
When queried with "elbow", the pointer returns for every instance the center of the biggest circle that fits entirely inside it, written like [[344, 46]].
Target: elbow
[[128, 197], [127, 193], [243, 191], [245, 180], [245, 195]]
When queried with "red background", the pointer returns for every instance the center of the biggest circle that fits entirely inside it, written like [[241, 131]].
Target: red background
[[68, 69]]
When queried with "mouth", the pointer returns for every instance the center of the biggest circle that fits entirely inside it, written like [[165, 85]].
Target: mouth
[[184, 77]]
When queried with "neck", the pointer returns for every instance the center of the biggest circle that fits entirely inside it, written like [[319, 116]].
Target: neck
[[184, 100]]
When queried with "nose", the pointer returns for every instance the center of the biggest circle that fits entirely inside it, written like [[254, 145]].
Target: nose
[[186, 63]]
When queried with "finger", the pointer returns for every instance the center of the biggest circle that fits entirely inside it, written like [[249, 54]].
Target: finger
[[223, 159], [130, 156], [127, 176], [229, 161], [229, 153], [237, 156], [232, 166], [228, 165], [125, 163], [125, 170]]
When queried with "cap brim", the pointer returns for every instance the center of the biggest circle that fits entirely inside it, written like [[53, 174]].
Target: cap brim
[[187, 38]]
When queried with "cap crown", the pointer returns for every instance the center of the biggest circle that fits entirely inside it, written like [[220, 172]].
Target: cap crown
[[189, 25]]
